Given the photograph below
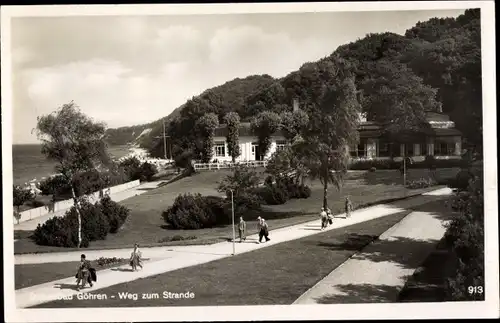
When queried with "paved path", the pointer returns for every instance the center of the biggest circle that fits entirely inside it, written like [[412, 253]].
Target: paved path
[[380, 270], [182, 257], [117, 197]]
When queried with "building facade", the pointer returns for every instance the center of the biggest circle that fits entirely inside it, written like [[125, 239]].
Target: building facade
[[440, 140]]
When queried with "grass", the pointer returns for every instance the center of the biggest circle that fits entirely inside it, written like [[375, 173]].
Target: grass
[[278, 274], [34, 274], [146, 226]]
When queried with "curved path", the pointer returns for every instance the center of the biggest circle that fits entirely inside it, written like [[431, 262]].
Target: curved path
[[186, 256]]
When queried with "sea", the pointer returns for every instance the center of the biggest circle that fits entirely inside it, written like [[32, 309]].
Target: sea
[[28, 163]]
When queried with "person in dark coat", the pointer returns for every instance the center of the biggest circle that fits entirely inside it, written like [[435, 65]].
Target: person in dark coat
[[83, 274]]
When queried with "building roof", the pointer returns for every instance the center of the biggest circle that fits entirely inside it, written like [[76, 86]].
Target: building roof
[[368, 128]]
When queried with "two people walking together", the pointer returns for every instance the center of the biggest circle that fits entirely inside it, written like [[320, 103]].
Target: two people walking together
[[326, 216], [262, 228]]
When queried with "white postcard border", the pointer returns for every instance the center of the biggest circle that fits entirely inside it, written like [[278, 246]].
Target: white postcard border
[[488, 308]]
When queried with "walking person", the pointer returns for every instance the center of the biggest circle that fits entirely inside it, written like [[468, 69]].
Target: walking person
[[263, 229], [348, 207], [242, 228], [136, 258], [329, 216], [83, 273], [324, 218]]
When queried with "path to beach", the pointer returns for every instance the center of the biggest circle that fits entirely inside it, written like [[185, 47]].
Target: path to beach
[[117, 197], [171, 258]]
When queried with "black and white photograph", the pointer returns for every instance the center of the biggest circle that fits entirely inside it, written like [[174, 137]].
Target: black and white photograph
[[297, 160]]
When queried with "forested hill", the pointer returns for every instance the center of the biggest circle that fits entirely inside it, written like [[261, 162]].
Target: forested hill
[[435, 65], [231, 96]]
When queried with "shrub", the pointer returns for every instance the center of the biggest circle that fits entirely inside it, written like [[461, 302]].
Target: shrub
[[98, 220], [461, 181], [55, 185], [95, 225], [36, 203], [115, 213], [465, 238], [21, 196], [103, 261], [304, 191], [273, 195], [244, 183], [373, 169], [421, 183], [196, 212], [177, 238], [136, 170]]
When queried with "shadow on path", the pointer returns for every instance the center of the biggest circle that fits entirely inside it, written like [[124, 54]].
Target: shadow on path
[[366, 293], [66, 286]]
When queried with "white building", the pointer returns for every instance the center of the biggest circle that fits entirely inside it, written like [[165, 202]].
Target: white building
[[440, 139]]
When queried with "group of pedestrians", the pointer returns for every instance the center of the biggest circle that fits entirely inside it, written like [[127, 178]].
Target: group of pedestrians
[[87, 274], [262, 228], [326, 215]]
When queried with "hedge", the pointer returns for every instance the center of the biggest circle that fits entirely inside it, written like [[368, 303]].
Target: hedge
[[98, 220], [465, 239], [429, 163]]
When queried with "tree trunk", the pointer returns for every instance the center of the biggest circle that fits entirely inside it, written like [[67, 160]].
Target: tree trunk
[[75, 201], [325, 195]]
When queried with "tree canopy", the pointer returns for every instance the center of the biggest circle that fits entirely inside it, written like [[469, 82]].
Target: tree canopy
[[435, 65]]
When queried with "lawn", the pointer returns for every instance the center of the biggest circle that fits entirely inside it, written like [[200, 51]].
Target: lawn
[[34, 274], [146, 226], [278, 274]]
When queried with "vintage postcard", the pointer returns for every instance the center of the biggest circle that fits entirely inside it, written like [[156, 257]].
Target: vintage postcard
[[228, 162]]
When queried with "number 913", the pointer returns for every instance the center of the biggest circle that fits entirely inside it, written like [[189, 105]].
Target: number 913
[[475, 289]]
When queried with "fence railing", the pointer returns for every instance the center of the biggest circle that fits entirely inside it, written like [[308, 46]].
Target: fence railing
[[226, 165]]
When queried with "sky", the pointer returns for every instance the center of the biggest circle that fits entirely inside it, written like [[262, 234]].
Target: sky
[[129, 70]]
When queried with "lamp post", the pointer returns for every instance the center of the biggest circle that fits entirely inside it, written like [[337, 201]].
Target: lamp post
[[232, 221], [232, 218]]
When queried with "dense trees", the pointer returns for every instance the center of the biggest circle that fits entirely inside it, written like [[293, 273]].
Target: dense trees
[[436, 64]]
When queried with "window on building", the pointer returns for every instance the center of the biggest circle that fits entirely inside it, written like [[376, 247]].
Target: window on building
[[353, 151], [384, 149], [409, 150], [423, 149], [361, 149], [220, 149], [443, 148], [396, 149], [280, 145]]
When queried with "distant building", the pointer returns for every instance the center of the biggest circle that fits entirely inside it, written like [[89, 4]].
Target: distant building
[[441, 140]]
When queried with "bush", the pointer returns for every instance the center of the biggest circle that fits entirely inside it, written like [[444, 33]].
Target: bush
[[55, 185], [21, 196], [177, 238], [36, 203], [430, 163], [465, 238], [103, 261], [136, 170], [196, 212], [115, 213], [421, 183], [373, 169], [95, 225], [98, 220], [461, 181], [273, 195]]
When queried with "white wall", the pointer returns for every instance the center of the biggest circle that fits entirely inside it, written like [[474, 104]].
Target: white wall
[[245, 143], [67, 204]]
